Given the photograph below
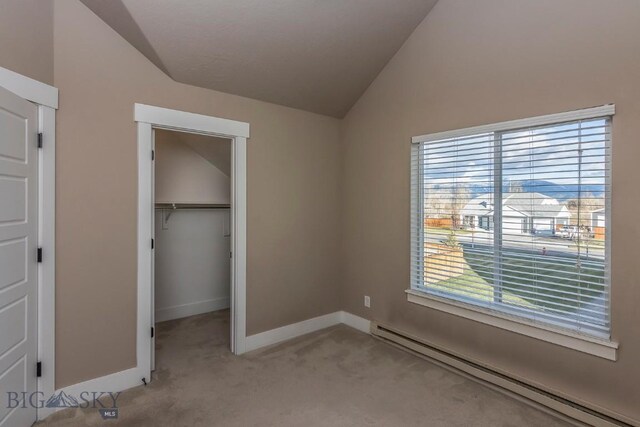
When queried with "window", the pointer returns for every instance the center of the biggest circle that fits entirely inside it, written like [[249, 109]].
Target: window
[[512, 219]]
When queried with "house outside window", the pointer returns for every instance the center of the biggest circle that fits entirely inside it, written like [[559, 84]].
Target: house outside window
[[526, 234], [533, 213]]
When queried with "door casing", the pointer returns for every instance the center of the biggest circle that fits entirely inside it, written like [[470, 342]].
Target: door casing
[[149, 118]]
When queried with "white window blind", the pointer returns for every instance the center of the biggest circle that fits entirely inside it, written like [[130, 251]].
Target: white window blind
[[514, 218]]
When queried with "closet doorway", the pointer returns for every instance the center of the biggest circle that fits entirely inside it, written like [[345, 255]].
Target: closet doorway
[[192, 241], [191, 230]]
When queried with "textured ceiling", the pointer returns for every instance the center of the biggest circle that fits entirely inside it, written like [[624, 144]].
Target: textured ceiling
[[316, 55]]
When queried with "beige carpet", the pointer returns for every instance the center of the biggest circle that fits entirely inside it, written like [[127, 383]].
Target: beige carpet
[[335, 377]]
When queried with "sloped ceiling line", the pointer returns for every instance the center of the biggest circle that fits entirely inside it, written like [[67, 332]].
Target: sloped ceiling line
[[314, 55]]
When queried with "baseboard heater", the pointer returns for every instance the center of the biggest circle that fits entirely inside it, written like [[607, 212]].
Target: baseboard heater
[[569, 410]]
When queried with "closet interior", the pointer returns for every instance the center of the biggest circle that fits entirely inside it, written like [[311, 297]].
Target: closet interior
[[192, 266]]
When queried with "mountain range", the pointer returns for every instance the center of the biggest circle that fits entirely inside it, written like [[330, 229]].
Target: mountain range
[[561, 192]]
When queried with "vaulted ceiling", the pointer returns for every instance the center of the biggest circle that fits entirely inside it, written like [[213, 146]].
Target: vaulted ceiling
[[315, 55], [216, 150]]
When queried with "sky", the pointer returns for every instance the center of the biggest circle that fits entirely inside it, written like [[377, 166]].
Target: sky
[[547, 153]]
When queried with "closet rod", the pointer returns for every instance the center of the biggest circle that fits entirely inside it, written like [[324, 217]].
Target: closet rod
[[176, 206]]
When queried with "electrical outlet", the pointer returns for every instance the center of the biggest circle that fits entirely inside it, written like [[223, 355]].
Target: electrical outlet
[[367, 301]]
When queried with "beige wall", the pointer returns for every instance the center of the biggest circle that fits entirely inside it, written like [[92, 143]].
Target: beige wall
[[26, 38], [184, 176], [293, 194], [477, 62], [468, 63]]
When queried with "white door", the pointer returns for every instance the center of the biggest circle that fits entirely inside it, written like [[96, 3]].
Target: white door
[[18, 258]]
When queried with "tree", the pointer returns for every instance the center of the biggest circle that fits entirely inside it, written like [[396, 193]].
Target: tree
[[451, 240], [442, 202], [581, 209], [583, 240]]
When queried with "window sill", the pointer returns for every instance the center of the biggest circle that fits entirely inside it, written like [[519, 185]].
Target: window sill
[[590, 345]]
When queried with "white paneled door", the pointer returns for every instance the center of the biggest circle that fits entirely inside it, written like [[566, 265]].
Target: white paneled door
[[18, 259]]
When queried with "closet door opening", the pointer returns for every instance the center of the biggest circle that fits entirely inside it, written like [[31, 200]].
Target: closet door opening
[[191, 291]]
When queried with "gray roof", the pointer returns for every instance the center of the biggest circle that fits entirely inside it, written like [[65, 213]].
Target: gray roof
[[528, 204], [479, 206]]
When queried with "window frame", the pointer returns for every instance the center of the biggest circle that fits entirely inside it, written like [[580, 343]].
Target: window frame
[[505, 318]]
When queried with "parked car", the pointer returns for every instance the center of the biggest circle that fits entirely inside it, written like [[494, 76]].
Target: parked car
[[566, 231], [573, 231]]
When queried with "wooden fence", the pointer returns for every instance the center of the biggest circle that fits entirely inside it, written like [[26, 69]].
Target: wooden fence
[[599, 233], [442, 262], [439, 222]]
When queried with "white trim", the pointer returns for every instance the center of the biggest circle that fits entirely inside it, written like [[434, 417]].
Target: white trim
[[129, 378], [112, 383], [29, 89], [238, 244], [587, 113], [608, 222], [601, 348], [291, 331], [355, 322], [145, 253], [190, 122], [47, 241], [152, 269], [294, 330], [191, 309], [149, 118], [500, 380]]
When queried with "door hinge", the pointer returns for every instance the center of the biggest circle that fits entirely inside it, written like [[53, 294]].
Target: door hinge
[[39, 256], [153, 154], [40, 140], [230, 254], [153, 332], [39, 369], [153, 244]]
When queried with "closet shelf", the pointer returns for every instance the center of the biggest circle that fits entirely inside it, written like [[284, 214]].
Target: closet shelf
[[176, 206]]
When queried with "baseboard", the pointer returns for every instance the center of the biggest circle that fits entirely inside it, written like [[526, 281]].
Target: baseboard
[[570, 409], [130, 378], [112, 383], [288, 332], [356, 322], [295, 330], [191, 309]]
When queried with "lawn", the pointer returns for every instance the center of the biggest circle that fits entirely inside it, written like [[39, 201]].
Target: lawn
[[445, 231], [471, 284], [562, 285]]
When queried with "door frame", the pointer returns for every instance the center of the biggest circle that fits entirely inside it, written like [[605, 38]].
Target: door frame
[[148, 118], [46, 98]]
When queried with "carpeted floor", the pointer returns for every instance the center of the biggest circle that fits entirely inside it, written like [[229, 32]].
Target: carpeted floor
[[334, 377]]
